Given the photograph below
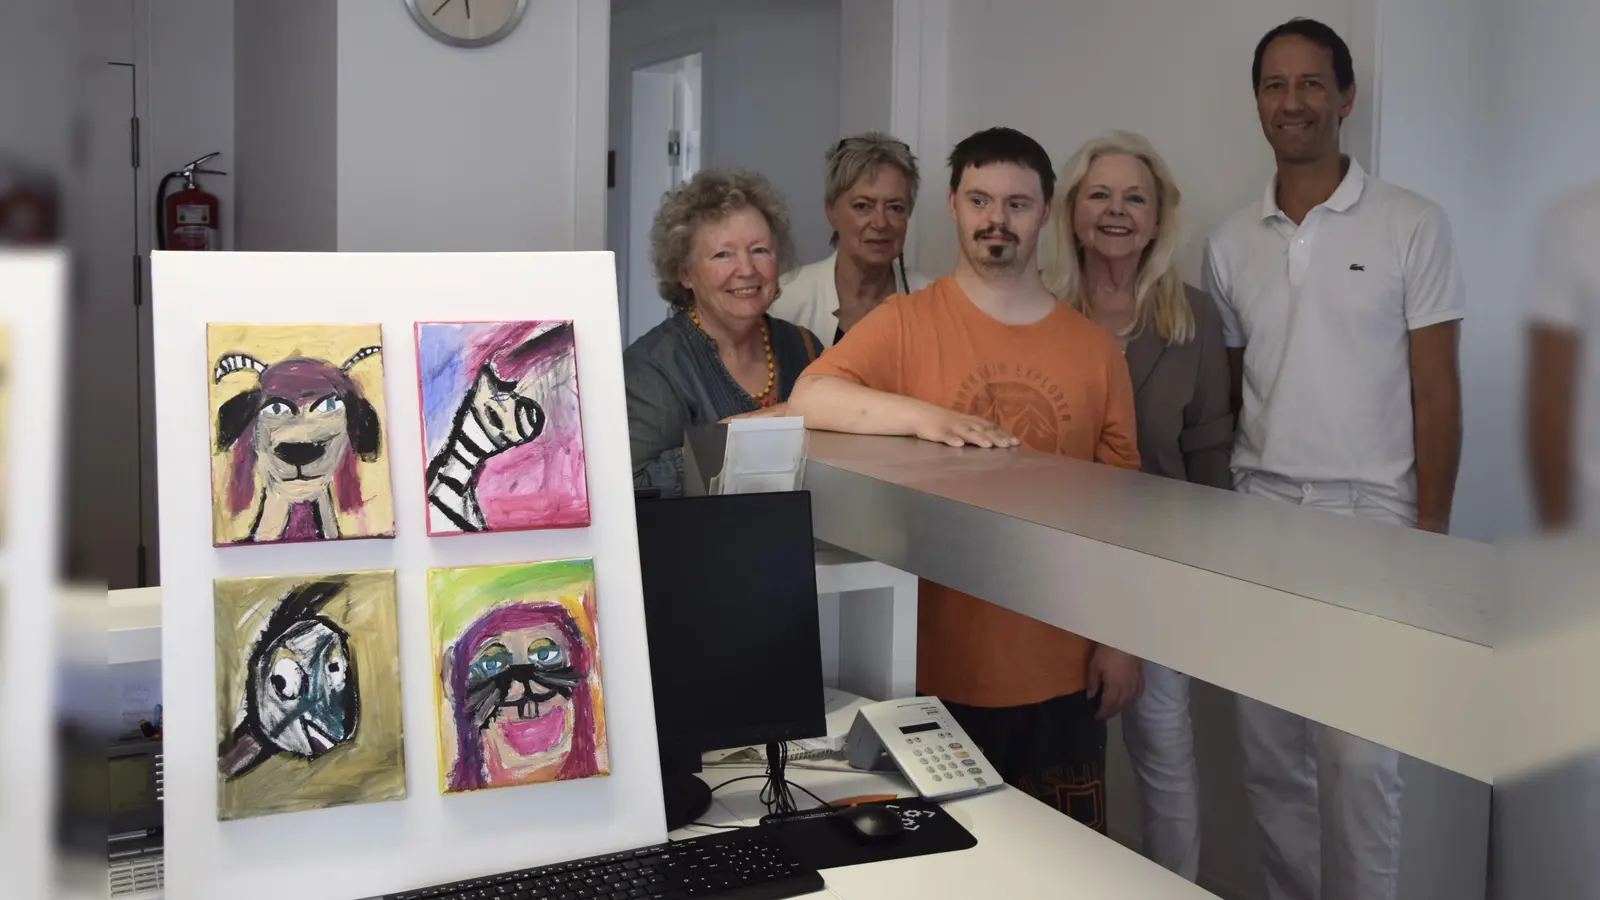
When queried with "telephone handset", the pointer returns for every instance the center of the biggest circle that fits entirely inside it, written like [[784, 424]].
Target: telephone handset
[[923, 740]]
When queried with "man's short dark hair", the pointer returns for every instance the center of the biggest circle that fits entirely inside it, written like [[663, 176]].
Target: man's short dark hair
[[1344, 70], [1002, 145]]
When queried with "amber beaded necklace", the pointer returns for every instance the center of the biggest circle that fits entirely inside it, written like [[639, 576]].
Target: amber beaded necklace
[[766, 344]]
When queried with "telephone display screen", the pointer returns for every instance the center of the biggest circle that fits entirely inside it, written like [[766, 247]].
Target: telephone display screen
[[129, 779], [915, 729]]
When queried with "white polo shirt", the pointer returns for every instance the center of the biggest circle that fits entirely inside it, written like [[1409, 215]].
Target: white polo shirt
[[1568, 296], [1323, 312]]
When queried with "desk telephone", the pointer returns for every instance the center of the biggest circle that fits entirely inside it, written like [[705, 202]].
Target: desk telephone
[[926, 745]]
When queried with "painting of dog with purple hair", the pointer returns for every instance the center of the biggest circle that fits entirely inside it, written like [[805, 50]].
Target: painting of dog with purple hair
[[297, 450], [518, 674], [501, 426]]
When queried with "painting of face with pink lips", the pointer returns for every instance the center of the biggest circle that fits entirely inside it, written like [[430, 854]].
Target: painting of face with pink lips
[[519, 686], [519, 696]]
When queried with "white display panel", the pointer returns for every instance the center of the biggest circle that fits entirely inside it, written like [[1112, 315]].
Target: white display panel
[[363, 850], [32, 306]]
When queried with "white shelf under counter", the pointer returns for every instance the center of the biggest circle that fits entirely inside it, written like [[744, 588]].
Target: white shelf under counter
[[133, 625], [868, 612]]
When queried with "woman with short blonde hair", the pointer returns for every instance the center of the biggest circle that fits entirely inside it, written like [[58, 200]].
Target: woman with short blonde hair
[[1117, 227], [869, 193]]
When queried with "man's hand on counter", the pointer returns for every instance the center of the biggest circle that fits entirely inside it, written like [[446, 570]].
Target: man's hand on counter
[[1116, 678]]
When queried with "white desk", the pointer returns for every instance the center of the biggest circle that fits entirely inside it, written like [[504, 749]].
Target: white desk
[[1025, 849]]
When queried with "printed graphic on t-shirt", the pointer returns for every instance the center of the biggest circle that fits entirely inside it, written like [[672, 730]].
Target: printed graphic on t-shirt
[[1019, 398]]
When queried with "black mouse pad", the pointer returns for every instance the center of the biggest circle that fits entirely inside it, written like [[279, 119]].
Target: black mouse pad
[[822, 844]]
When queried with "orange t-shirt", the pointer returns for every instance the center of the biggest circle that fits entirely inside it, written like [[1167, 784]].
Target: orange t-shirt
[[1061, 386]]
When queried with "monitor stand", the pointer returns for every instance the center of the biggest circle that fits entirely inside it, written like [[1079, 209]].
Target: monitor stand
[[685, 797]]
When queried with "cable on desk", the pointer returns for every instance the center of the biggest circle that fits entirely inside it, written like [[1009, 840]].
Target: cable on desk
[[809, 794], [808, 766], [736, 780], [802, 787], [775, 789], [776, 794]]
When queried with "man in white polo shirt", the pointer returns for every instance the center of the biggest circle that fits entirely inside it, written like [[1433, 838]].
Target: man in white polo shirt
[[1564, 369], [1341, 298], [1547, 824]]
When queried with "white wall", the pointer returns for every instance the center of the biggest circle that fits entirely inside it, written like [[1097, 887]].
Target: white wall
[[37, 96], [1064, 72], [1533, 63], [285, 125], [498, 148], [866, 65], [1470, 119], [772, 93], [188, 77], [1444, 139]]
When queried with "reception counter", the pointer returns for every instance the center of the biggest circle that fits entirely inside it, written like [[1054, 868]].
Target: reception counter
[[1376, 629]]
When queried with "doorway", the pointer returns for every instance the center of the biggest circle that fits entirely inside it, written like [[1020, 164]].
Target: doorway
[[746, 85], [665, 100]]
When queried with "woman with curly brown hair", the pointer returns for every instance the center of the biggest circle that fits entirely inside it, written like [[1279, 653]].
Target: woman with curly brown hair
[[718, 244]]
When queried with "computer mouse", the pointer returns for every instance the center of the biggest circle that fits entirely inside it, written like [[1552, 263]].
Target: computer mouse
[[869, 824]]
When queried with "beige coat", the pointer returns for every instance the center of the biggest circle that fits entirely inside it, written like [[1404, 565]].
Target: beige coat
[[1180, 398]]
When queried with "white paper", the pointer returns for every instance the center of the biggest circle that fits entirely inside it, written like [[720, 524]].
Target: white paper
[[763, 455]]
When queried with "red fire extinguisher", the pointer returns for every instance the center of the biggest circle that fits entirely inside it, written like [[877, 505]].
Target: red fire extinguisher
[[29, 206], [190, 218]]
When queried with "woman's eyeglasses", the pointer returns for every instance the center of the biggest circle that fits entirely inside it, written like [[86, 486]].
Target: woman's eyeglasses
[[862, 142]]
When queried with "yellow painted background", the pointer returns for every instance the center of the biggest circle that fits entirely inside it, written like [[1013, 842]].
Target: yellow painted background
[[271, 343], [369, 768]]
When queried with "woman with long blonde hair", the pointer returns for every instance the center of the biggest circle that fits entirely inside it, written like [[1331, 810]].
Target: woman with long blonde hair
[[1116, 229]]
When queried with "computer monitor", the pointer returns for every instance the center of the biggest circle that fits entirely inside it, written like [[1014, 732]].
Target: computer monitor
[[730, 605]]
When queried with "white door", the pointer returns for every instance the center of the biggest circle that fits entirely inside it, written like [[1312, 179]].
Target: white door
[[649, 177], [686, 118]]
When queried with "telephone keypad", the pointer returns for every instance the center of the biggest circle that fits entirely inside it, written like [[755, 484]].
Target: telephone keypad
[[940, 750]]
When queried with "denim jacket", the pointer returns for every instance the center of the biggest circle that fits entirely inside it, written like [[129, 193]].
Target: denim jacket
[[674, 379]]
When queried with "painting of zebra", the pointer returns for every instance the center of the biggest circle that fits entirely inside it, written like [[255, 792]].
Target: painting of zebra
[[297, 422], [501, 426]]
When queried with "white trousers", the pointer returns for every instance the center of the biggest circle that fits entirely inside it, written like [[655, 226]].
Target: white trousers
[[1160, 740], [1327, 803]]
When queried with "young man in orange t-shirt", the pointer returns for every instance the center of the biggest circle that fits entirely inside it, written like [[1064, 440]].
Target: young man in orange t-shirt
[[988, 357]]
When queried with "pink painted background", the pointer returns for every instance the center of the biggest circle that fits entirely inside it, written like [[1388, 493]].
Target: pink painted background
[[541, 484]]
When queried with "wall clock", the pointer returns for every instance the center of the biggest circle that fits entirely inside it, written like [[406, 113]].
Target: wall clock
[[467, 23]]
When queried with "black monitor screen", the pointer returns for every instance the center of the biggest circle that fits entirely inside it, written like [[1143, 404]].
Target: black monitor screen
[[730, 601]]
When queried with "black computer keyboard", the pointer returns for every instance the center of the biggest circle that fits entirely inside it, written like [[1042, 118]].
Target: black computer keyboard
[[745, 864]]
